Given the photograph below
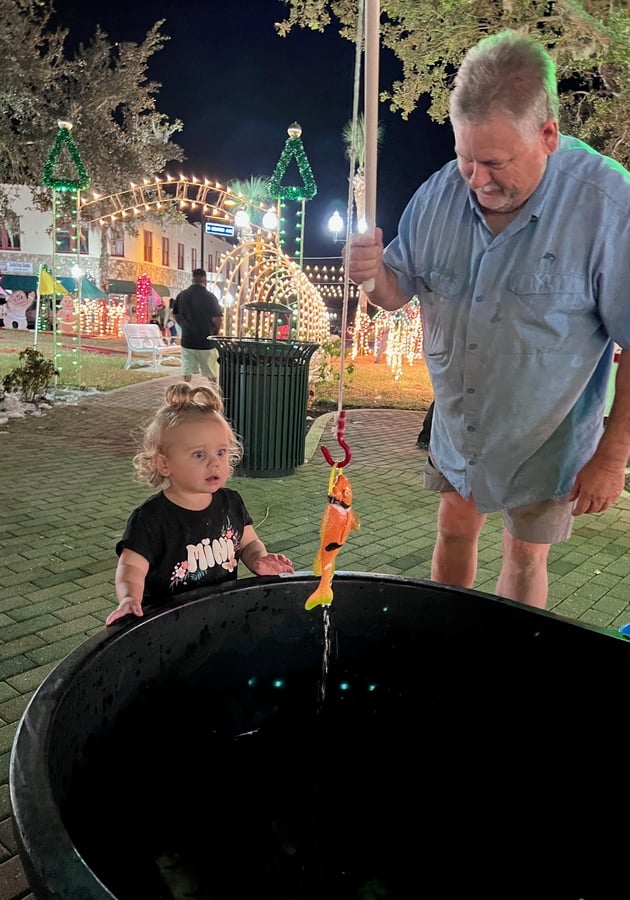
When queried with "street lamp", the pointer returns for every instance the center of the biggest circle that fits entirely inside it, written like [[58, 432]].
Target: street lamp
[[270, 220], [335, 224], [241, 220], [77, 274]]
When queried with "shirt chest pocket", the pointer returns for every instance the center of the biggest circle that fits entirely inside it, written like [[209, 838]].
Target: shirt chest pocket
[[439, 284], [545, 307], [438, 292], [562, 290]]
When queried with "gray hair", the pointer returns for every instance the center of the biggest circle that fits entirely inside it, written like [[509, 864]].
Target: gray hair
[[507, 74]]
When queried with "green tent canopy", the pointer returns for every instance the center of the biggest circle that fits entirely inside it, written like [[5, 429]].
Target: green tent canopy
[[121, 287], [28, 283], [91, 290]]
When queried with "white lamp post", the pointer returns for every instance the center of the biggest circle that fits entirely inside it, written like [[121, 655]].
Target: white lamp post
[[241, 220], [335, 224], [77, 274], [270, 220]]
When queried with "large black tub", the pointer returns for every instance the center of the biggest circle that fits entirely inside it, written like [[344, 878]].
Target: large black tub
[[413, 741]]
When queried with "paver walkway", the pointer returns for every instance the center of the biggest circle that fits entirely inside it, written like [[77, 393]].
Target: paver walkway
[[67, 487]]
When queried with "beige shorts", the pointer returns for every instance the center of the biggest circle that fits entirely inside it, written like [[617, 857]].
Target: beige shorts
[[205, 362], [545, 522]]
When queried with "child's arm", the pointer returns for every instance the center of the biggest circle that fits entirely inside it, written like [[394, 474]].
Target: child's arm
[[254, 555], [131, 573]]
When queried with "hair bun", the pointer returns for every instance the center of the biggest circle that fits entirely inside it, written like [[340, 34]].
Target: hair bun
[[182, 396]]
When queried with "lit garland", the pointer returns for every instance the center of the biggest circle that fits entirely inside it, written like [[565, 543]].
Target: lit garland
[[66, 231], [101, 318], [67, 339], [293, 149], [362, 334], [66, 313], [143, 294], [44, 320], [401, 332], [64, 141]]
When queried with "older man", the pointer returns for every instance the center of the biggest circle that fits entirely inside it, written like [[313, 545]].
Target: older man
[[519, 253]]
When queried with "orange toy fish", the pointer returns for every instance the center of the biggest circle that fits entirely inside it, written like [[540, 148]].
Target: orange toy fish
[[337, 523]]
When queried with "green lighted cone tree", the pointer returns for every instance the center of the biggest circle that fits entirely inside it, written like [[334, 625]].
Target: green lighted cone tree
[[65, 142], [66, 176], [293, 150]]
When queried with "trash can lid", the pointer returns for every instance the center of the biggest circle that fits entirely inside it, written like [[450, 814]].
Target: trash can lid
[[263, 306]]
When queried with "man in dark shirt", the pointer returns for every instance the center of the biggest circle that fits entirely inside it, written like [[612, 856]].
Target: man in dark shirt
[[199, 315]]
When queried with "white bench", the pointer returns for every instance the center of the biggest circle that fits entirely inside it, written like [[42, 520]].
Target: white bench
[[148, 341]]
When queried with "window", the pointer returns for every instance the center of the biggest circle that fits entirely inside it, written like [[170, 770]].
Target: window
[[193, 255], [147, 237], [10, 234], [210, 266], [116, 239], [65, 237], [180, 257], [166, 245]]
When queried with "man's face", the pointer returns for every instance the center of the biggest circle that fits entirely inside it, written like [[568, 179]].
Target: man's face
[[502, 167]]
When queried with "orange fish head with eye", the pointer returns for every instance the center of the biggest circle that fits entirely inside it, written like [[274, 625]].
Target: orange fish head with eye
[[342, 491]]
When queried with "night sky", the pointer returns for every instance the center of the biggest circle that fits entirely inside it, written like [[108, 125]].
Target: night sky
[[262, 83]]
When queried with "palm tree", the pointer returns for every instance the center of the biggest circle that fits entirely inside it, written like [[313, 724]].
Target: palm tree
[[358, 176], [253, 191]]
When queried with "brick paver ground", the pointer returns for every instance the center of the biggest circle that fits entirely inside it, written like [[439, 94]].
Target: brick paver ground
[[68, 488]]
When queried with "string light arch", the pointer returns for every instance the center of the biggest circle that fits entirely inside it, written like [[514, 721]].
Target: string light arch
[[210, 198], [255, 270]]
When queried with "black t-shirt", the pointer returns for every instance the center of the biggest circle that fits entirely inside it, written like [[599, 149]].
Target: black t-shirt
[[195, 309], [186, 548]]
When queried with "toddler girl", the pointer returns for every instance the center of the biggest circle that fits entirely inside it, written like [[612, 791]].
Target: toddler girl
[[194, 531]]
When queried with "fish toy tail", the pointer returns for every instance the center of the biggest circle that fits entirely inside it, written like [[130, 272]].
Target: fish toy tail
[[322, 596]]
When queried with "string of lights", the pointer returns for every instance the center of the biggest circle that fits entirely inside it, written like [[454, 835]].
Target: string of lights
[[66, 176]]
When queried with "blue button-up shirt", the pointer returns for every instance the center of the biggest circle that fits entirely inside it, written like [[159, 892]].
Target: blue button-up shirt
[[519, 326]]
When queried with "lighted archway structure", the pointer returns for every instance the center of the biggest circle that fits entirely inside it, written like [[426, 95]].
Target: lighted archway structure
[[210, 198], [256, 269]]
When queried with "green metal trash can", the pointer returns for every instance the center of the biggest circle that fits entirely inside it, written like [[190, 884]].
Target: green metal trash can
[[265, 390]]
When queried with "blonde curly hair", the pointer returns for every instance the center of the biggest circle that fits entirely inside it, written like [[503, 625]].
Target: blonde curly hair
[[181, 404]]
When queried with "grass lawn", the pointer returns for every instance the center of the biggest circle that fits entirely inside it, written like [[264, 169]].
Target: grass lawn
[[103, 359]]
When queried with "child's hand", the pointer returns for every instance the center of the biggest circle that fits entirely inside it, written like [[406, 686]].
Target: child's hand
[[125, 608], [272, 564]]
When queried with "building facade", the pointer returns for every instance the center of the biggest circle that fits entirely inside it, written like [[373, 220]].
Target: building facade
[[166, 253]]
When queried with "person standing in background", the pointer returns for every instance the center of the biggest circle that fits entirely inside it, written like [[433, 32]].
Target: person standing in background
[[424, 437], [172, 331], [199, 315]]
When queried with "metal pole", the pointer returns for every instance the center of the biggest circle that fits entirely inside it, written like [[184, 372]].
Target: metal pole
[[372, 15]]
